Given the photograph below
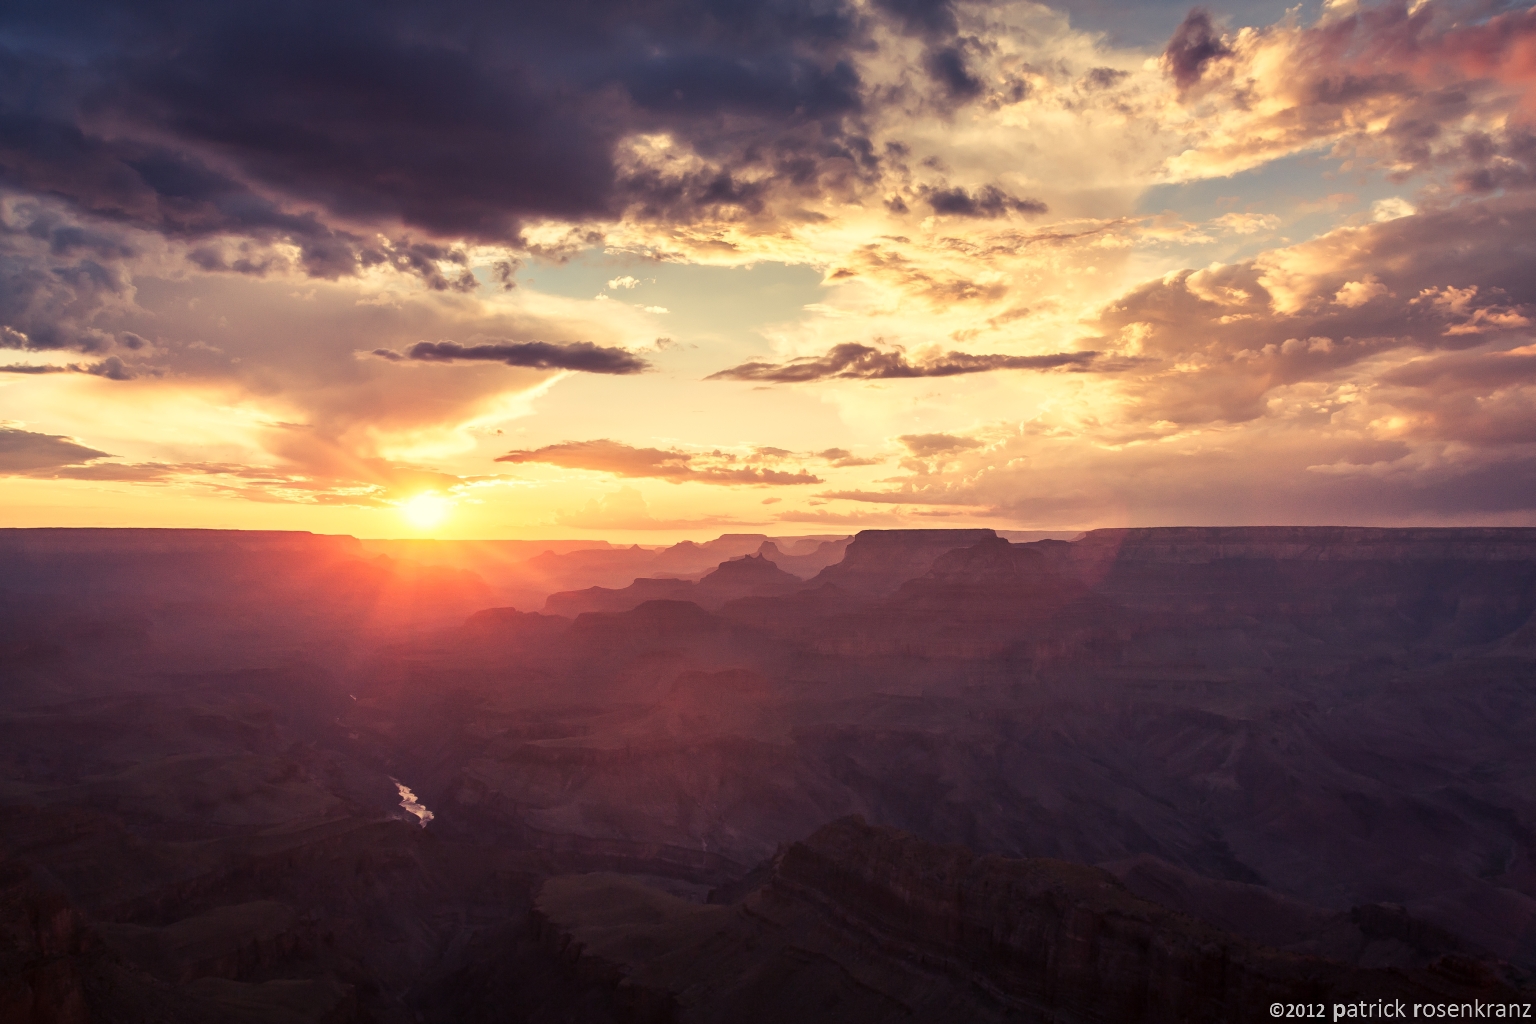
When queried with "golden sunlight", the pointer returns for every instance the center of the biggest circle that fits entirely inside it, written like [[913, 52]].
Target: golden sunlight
[[426, 511]]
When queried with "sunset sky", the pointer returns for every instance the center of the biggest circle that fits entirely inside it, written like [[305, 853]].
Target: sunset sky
[[662, 268]]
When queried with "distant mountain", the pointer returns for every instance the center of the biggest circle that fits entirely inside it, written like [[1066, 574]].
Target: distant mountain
[[879, 561], [748, 576], [807, 558]]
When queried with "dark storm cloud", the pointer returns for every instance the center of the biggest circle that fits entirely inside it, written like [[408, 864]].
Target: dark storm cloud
[[946, 65], [370, 114], [605, 456], [321, 123], [1492, 162], [1194, 45], [988, 202], [55, 276], [540, 355], [45, 151], [932, 19], [944, 58], [1104, 78], [32, 369], [708, 83], [111, 368], [62, 237], [852, 361]]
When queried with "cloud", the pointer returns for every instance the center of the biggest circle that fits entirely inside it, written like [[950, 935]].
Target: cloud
[[322, 128], [226, 92], [25, 452], [1357, 293], [986, 202], [1381, 372], [35, 368], [1477, 370], [330, 426], [112, 368], [1217, 344], [53, 457], [1194, 45], [341, 140], [1486, 400], [361, 137], [540, 355], [167, 174], [928, 19], [1247, 223], [605, 456], [946, 65], [1280, 469], [1403, 87], [58, 276], [1469, 315], [853, 361], [842, 458], [925, 445]]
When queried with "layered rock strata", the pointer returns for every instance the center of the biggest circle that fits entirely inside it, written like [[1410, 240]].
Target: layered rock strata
[[886, 927]]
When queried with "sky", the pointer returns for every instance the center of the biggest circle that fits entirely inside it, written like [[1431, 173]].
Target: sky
[[656, 269]]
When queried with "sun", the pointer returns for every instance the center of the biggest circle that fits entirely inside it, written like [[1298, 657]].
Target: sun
[[426, 511]]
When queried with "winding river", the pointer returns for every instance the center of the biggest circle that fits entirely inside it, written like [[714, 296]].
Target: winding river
[[410, 803]]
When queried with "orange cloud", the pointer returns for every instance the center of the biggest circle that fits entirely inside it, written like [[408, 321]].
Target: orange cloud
[[605, 456]]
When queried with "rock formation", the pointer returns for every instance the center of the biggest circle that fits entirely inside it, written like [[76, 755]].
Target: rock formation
[[886, 928]]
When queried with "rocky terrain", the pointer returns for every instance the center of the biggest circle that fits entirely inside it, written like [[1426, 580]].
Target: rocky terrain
[[1157, 774], [884, 927]]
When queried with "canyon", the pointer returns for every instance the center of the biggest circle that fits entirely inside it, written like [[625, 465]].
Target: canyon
[[1139, 774]]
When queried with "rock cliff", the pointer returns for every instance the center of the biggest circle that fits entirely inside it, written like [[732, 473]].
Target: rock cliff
[[885, 927], [748, 576], [879, 561]]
